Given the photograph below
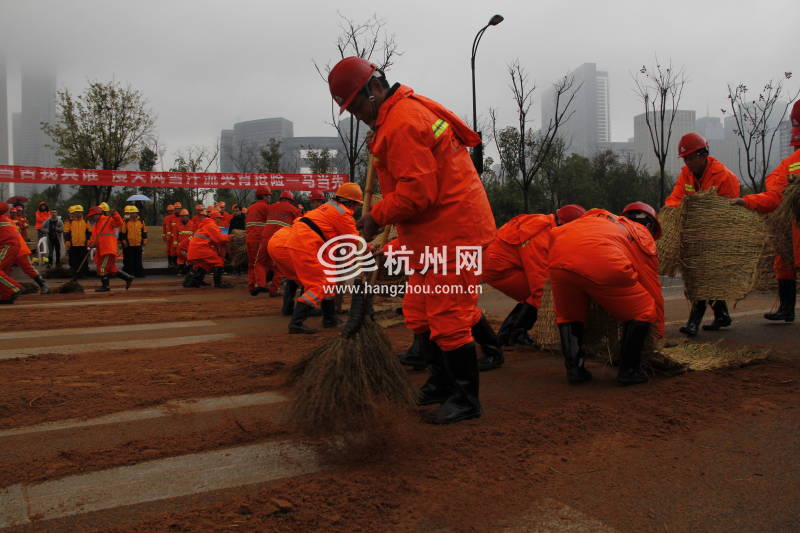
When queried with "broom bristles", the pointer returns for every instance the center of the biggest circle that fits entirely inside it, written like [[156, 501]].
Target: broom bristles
[[70, 287], [343, 384], [237, 251]]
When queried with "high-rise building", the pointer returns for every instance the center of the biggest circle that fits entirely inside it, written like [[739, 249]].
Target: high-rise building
[[710, 128], [784, 137], [683, 123], [4, 155], [240, 150], [590, 123]]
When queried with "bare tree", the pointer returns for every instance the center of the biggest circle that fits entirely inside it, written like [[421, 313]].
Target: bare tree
[[757, 124], [195, 158], [660, 90], [246, 156], [370, 41], [533, 149], [271, 157]]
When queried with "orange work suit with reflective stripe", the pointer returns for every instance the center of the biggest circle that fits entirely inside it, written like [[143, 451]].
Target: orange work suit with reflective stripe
[[254, 223], [293, 249], [206, 244], [716, 175], [9, 249], [185, 232], [281, 215], [435, 197], [611, 260], [41, 216], [104, 239], [515, 263], [766, 202]]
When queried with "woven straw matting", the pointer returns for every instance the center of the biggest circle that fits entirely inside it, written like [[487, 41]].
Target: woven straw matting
[[721, 246], [669, 245], [780, 221]]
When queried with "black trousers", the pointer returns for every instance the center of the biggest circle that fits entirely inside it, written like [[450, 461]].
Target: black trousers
[[54, 248], [76, 255], [132, 261]]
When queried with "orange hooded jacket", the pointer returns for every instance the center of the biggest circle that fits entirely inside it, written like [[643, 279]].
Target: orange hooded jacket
[[206, 243], [332, 218], [716, 175], [609, 250], [430, 188], [516, 262], [255, 220]]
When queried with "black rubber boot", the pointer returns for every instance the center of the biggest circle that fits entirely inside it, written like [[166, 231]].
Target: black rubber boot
[[787, 291], [461, 366], [525, 319], [301, 312], [218, 283], [438, 388], [413, 357], [127, 278], [572, 347], [189, 280], [505, 328], [695, 317], [104, 284], [289, 292], [484, 335], [43, 287], [329, 319], [633, 338], [721, 317]]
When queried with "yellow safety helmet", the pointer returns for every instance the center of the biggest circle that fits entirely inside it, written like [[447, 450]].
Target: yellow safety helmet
[[131, 209], [350, 191], [75, 209], [104, 206]]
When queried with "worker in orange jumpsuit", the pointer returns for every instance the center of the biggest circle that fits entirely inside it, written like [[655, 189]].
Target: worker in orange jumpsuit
[[226, 217], [9, 249], [612, 260], [315, 199], [133, 237], [172, 250], [17, 214], [281, 214], [77, 233], [42, 214], [24, 263], [515, 263], [166, 232], [198, 216], [254, 222], [206, 252], [788, 171], [294, 250], [701, 173], [434, 196], [185, 229], [104, 240]]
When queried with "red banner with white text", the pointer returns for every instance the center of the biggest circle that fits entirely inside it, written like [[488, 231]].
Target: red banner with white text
[[201, 180]]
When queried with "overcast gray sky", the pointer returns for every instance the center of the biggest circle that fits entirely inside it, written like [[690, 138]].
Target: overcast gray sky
[[204, 65]]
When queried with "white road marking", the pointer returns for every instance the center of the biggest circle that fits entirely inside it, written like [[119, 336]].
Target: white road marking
[[32, 334], [551, 516], [74, 303], [155, 480], [170, 408], [18, 353]]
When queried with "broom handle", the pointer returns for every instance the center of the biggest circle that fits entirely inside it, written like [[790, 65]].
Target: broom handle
[[369, 185], [86, 257], [373, 277]]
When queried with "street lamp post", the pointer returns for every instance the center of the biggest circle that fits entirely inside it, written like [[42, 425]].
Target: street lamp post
[[477, 152]]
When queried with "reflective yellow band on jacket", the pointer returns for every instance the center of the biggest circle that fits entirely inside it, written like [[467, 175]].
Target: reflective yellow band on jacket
[[794, 166], [107, 235], [184, 232], [255, 224], [689, 188], [6, 223], [438, 128], [278, 223]]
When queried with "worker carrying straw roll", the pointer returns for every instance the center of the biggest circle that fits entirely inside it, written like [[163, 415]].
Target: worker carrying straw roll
[[787, 173], [515, 263], [611, 260], [702, 173], [434, 196]]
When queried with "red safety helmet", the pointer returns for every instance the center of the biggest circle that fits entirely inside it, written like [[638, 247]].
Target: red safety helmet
[[690, 143], [795, 117], [646, 209], [316, 195], [347, 77], [94, 211], [3, 208], [263, 190], [287, 195], [569, 212]]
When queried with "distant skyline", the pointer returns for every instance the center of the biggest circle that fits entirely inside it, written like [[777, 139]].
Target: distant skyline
[[206, 65]]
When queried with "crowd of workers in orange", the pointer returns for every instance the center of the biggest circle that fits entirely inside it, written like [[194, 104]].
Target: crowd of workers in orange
[[433, 196]]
